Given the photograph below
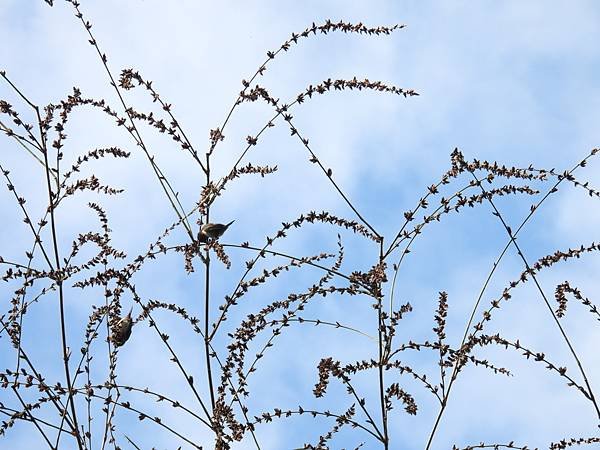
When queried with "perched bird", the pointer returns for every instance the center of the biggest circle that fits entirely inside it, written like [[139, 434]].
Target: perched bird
[[122, 329], [212, 231]]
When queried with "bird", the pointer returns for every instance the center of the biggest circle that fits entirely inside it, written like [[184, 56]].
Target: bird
[[212, 230], [122, 329]]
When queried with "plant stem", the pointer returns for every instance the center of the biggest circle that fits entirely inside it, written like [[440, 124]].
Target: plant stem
[[381, 362], [207, 302], [61, 299]]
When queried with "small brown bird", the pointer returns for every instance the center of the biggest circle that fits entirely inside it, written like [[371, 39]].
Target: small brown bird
[[212, 231], [122, 329]]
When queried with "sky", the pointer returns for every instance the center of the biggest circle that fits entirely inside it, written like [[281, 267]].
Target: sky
[[510, 81]]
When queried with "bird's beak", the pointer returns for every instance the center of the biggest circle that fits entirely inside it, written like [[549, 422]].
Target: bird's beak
[[129, 313]]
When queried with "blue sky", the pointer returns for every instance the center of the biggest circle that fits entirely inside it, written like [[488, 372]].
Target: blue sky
[[508, 81]]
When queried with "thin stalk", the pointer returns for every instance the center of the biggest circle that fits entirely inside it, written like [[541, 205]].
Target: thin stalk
[[166, 186], [51, 395], [386, 440], [207, 301], [21, 141], [61, 299], [454, 376], [33, 419], [541, 291]]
